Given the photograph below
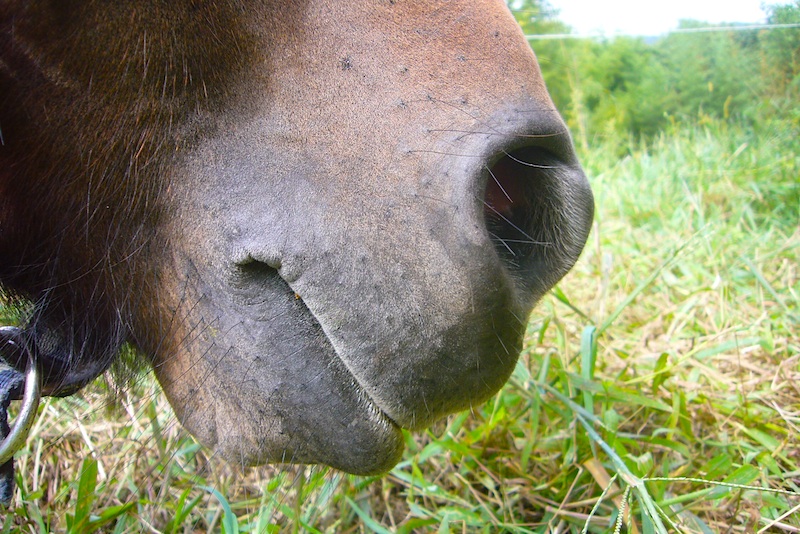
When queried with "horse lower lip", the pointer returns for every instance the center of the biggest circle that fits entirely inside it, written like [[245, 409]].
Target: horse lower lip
[[363, 392], [381, 413]]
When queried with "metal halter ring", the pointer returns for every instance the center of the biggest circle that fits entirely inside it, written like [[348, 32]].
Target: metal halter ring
[[27, 414]]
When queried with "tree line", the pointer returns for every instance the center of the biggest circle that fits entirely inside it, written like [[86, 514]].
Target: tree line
[[639, 86]]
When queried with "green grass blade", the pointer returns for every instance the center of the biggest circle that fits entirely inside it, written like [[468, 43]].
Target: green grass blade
[[230, 524], [588, 362], [369, 522], [87, 483]]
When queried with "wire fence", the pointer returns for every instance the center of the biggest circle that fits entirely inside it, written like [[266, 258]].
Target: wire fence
[[704, 29]]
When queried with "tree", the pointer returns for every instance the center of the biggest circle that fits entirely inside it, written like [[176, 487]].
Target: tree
[[781, 48], [636, 86], [558, 59]]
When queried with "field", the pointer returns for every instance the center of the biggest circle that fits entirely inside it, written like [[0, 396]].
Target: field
[[659, 390]]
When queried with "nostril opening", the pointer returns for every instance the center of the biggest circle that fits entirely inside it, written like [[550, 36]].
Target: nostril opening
[[521, 205]]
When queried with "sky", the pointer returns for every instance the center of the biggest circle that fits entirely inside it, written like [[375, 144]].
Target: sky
[[643, 17]]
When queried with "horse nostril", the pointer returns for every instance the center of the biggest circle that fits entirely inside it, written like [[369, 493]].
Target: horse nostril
[[520, 202]]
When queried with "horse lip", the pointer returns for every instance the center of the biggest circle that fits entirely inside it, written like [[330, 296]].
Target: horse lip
[[362, 391]]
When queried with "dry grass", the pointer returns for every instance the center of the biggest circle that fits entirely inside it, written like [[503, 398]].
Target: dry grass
[[675, 341]]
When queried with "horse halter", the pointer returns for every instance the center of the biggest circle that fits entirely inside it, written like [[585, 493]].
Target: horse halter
[[16, 385], [35, 362]]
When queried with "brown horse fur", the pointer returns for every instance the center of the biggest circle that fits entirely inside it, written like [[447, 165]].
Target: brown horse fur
[[311, 217]]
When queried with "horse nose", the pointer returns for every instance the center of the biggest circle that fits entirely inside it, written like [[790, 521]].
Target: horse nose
[[537, 210]]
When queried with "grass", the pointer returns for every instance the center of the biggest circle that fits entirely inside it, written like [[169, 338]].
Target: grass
[[666, 363]]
